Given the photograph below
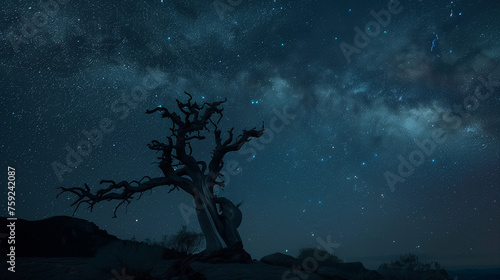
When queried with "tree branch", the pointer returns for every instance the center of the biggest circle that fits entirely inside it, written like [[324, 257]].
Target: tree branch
[[222, 149], [85, 196], [196, 118]]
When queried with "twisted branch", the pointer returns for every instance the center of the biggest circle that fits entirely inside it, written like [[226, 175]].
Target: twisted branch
[[85, 196]]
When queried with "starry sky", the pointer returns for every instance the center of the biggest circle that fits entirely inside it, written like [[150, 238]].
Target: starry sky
[[382, 123]]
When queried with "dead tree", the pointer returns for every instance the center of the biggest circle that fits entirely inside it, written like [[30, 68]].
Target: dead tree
[[219, 218]]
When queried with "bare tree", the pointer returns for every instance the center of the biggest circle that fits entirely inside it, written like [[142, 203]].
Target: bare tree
[[219, 218]]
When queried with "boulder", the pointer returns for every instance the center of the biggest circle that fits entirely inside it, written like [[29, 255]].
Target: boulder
[[281, 260]]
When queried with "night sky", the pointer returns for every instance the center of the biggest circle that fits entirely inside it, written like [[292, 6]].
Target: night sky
[[345, 102]]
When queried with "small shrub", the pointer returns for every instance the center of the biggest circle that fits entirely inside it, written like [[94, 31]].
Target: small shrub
[[319, 255], [184, 241], [408, 267]]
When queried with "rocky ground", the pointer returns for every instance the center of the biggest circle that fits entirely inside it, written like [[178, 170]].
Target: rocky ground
[[69, 248], [84, 268], [60, 248]]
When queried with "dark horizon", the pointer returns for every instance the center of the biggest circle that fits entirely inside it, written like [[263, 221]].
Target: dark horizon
[[372, 262]]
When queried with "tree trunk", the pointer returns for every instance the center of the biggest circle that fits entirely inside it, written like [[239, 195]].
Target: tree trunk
[[209, 223], [220, 230]]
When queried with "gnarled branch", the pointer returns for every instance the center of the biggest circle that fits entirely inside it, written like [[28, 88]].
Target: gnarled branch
[[222, 149], [85, 196]]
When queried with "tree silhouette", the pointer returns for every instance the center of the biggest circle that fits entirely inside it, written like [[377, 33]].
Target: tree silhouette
[[219, 218]]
